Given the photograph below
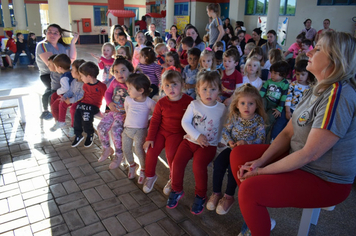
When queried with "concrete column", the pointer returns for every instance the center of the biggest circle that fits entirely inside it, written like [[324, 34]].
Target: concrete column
[[273, 15], [6, 15], [58, 13], [20, 16], [236, 11], [169, 14]]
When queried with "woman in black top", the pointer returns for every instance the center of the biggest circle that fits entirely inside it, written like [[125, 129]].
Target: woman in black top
[[256, 37]]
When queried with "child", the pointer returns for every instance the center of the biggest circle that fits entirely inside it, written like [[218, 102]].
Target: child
[[55, 79], [32, 43], [165, 129], [21, 46], [114, 120], [105, 62], [296, 88], [258, 53], [171, 44], [247, 50], [207, 60], [245, 126], [187, 43], [148, 66], [190, 72], [157, 40], [306, 45], [218, 46], [274, 93], [252, 73], [140, 39], [138, 106], [234, 41], [172, 62], [203, 122], [219, 60], [231, 78], [10, 48], [274, 55], [161, 51], [122, 40], [94, 91], [124, 51]]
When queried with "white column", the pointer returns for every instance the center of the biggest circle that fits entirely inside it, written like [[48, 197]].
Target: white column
[[236, 11], [169, 14], [273, 15], [6, 14], [58, 13], [20, 16]]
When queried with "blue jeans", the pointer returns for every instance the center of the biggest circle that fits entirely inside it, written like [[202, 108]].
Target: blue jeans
[[17, 54]]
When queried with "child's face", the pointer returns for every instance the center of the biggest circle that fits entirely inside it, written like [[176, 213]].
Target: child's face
[[169, 61], [59, 69], [247, 51], [247, 107], [185, 47], [229, 63], [122, 40], [252, 68], [142, 59], [121, 72], [107, 52], [133, 92], [302, 77], [140, 38], [218, 62], [218, 49], [75, 73], [172, 90], [171, 44], [206, 62], [193, 61], [275, 76], [51, 66], [162, 50], [208, 93], [305, 47], [86, 79], [121, 51], [258, 56], [33, 36], [21, 36]]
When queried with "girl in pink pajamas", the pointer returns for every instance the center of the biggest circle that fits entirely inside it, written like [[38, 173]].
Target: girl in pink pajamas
[[114, 120]]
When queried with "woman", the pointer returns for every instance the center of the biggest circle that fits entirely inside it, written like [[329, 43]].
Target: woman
[[270, 44], [216, 30], [229, 33], [173, 33], [241, 35], [256, 37], [326, 24], [191, 31], [310, 32], [52, 44], [227, 23], [311, 163], [115, 30]]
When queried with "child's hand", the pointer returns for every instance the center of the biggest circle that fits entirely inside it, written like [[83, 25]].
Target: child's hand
[[202, 141], [113, 107], [227, 102], [147, 145], [67, 101], [96, 56], [240, 142], [221, 145], [276, 113], [288, 114], [232, 144]]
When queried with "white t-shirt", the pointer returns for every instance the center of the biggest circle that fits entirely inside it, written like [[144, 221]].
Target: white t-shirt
[[137, 112], [257, 83]]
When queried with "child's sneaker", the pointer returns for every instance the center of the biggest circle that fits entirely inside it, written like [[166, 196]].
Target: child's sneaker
[[213, 201], [71, 132], [77, 140], [132, 171], [89, 140], [116, 161], [57, 125], [149, 183], [106, 153], [142, 177], [225, 204], [174, 198], [46, 115], [198, 205], [167, 188]]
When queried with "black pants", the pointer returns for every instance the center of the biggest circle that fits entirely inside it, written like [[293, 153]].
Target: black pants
[[46, 80], [154, 91], [83, 118], [221, 163], [17, 55]]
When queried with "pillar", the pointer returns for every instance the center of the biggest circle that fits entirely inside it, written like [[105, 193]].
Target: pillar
[[169, 14], [6, 15], [20, 17], [273, 15], [236, 11], [58, 13]]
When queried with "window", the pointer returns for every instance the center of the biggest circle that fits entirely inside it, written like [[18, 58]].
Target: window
[[1, 19], [260, 7], [181, 9], [100, 15], [155, 8], [134, 10], [336, 2]]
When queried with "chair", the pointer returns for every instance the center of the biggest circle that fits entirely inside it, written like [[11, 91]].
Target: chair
[[310, 216]]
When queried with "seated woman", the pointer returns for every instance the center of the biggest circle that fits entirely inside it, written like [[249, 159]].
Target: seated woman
[[311, 163]]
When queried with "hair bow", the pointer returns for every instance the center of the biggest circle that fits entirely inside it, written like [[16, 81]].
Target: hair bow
[[172, 68], [208, 49]]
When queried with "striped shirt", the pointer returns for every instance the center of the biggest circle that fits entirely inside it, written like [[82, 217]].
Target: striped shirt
[[153, 71]]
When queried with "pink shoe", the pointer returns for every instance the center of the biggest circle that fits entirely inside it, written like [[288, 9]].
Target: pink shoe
[[116, 161], [106, 153], [225, 204], [213, 201]]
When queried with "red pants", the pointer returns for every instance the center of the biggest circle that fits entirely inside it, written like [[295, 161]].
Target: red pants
[[201, 159], [54, 97], [59, 110], [291, 189], [170, 143]]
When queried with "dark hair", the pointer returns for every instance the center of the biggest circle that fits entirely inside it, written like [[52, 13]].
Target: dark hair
[[219, 55], [198, 40], [153, 24], [231, 30], [258, 30], [140, 81], [281, 67], [176, 29], [149, 55], [215, 7], [239, 23], [301, 66], [143, 18], [30, 34], [18, 34], [218, 44], [307, 42], [113, 28], [127, 50], [89, 68], [195, 52], [175, 56], [62, 60], [233, 38], [233, 54], [121, 60], [60, 40], [189, 41], [50, 58], [272, 32], [173, 40], [305, 22], [122, 33], [301, 36], [77, 63]]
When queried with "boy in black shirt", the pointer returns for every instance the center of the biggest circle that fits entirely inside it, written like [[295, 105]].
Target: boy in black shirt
[[21, 45]]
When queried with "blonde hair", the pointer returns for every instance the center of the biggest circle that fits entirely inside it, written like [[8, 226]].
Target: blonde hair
[[250, 60], [158, 47], [250, 46], [157, 40], [301, 56], [171, 76], [247, 90], [107, 44], [275, 55], [211, 54], [257, 51]]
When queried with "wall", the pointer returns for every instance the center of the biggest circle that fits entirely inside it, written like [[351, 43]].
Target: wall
[[34, 19], [199, 17]]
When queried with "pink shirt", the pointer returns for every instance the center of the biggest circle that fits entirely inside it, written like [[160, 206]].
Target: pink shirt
[[294, 48]]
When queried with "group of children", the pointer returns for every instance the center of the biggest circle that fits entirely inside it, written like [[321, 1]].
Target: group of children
[[196, 108]]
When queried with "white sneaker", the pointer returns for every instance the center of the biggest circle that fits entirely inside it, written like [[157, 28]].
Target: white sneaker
[[167, 188], [142, 177], [116, 161], [149, 183], [57, 125], [132, 171], [71, 132]]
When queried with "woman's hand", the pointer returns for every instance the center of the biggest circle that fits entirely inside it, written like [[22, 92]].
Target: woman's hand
[[202, 141], [249, 169], [75, 38], [113, 107], [240, 142], [232, 144]]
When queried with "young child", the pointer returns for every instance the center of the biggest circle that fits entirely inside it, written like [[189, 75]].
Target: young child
[[274, 55], [172, 62], [203, 122], [306, 45], [274, 93], [114, 120], [55, 79], [124, 51], [122, 40], [190, 72], [296, 88], [171, 44], [105, 62], [165, 129], [94, 91], [21, 46], [231, 78], [148, 66], [219, 60], [157, 40], [258, 53], [138, 106], [247, 50], [161, 51], [207, 60], [245, 125], [187, 43], [252, 73], [140, 39], [10, 48], [234, 41], [32, 43], [218, 46]]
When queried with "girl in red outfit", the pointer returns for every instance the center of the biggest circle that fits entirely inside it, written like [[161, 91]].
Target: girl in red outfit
[[165, 129], [105, 62]]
